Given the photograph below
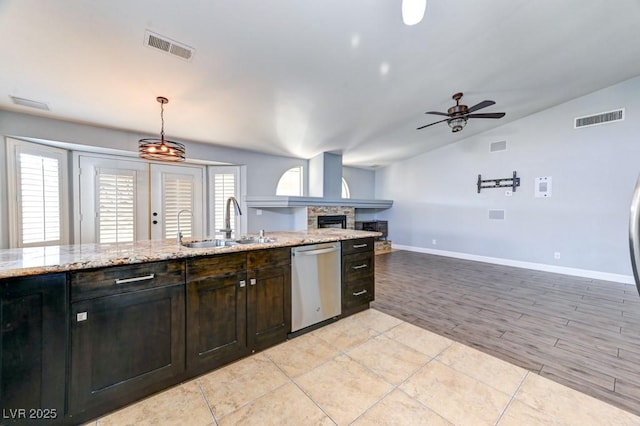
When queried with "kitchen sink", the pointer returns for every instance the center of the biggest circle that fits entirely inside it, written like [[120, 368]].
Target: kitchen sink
[[210, 243], [254, 240], [218, 242]]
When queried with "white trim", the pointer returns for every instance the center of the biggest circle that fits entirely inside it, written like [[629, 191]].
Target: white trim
[[13, 149], [576, 272]]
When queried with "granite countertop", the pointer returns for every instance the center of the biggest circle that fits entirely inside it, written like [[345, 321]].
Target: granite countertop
[[41, 260]]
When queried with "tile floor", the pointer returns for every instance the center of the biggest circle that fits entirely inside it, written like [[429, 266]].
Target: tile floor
[[370, 368]]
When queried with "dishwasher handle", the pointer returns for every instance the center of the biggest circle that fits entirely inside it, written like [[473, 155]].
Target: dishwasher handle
[[315, 252]]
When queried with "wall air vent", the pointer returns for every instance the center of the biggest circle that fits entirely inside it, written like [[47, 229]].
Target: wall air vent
[[600, 118], [169, 46], [496, 214], [29, 103], [498, 146]]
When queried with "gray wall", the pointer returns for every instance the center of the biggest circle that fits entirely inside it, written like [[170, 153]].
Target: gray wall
[[260, 177], [361, 182], [593, 170]]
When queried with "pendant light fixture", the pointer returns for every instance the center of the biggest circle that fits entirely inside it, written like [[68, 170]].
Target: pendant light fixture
[[413, 11], [161, 149]]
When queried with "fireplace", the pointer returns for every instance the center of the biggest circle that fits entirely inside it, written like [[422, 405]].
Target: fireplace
[[332, 221], [376, 226]]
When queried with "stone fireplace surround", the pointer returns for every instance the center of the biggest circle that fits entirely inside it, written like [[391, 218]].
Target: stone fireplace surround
[[314, 211]]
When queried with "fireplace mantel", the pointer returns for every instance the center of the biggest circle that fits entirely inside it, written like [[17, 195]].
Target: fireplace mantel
[[264, 202]]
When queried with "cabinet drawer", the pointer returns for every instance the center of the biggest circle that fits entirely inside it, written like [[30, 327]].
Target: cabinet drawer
[[357, 293], [269, 257], [357, 246], [357, 266], [216, 266], [127, 278]]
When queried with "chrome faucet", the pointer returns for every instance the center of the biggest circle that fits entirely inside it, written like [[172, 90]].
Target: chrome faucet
[[227, 218], [179, 231]]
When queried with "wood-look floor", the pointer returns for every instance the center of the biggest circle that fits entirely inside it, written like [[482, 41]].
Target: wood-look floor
[[580, 332]]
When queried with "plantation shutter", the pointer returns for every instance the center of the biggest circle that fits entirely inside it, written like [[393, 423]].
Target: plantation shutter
[[178, 195], [116, 192], [39, 199], [224, 187]]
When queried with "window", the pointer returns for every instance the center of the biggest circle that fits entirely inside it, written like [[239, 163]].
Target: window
[[178, 195], [290, 182], [37, 180], [345, 189], [224, 183], [116, 205]]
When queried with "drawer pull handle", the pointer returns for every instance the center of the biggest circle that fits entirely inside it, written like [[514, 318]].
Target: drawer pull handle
[[364, 265], [134, 279], [252, 281], [243, 283], [359, 293], [359, 245]]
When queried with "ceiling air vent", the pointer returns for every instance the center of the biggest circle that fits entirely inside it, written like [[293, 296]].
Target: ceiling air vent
[[600, 118], [169, 46], [29, 103]]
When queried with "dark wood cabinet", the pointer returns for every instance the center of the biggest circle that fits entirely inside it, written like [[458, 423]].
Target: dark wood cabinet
[[358, 269], [269, 298], [129, 340], [33, 347], [216, 311], [236, 304]]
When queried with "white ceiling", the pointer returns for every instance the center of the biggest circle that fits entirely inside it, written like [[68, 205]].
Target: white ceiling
[[299, 77]]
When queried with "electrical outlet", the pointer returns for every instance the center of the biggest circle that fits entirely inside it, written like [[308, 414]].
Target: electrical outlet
[[556, 255], [434, 241]]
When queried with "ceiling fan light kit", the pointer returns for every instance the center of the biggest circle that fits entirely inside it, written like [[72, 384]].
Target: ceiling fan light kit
[[161, 149], [413, 11], [458, 114]]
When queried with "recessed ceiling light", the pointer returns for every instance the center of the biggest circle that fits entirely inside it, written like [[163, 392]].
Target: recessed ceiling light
[[413, 11]]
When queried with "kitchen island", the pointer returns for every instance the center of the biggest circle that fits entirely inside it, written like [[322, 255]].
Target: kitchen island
[[89, 328]]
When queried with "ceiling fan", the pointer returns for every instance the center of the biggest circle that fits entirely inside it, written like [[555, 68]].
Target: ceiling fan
[[458, 114]]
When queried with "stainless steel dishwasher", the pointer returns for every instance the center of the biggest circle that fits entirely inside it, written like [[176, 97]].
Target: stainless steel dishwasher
[[315, 284]]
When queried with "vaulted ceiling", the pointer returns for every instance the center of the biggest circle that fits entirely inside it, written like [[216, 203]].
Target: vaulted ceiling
[[297, 78]]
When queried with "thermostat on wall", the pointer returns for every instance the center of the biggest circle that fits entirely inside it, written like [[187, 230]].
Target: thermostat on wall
[[543, 187]]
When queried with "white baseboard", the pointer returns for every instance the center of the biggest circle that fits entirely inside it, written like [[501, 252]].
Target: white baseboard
[[585, 273]]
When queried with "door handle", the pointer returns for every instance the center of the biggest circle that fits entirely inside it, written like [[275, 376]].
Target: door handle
[[315, 252]]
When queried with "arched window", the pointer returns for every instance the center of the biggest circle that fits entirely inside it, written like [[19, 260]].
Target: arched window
[[345, 189], [290, 182]]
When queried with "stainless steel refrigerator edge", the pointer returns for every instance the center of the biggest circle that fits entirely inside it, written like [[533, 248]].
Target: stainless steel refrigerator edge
[[634, 237], [315, 284]]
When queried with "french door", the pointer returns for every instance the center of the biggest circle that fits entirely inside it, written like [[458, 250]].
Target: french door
[[122, 200]]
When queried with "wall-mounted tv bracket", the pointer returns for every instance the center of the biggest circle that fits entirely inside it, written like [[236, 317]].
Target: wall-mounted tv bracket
[[512, 182]]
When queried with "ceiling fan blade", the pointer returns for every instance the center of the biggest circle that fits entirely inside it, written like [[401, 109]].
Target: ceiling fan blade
[[481, 105], [427, 125], [487, 115], [437, 113]]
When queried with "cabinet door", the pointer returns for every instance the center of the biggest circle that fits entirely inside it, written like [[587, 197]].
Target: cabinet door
[[269, 307], [216, 321], [33, 343], [125, 346]]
